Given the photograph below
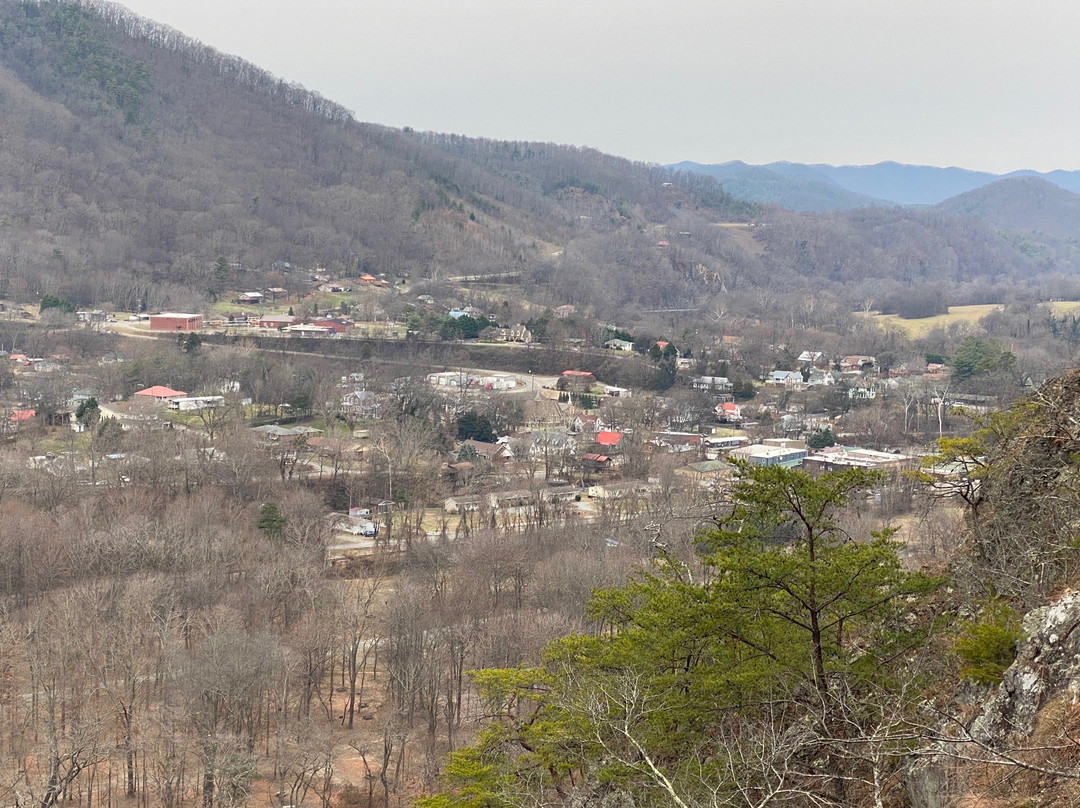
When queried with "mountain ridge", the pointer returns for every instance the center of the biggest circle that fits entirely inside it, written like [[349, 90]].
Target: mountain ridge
[[142, 169], [883, 184]]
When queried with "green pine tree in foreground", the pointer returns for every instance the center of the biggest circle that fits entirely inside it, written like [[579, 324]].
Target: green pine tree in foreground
[[765, 671]]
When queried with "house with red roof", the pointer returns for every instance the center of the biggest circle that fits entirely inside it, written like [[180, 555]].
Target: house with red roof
[[576, 380], [160, 393], [596, 462], [729, 412], [609, 440]]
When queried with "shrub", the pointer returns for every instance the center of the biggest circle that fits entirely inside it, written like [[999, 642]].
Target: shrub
[[987, 645]]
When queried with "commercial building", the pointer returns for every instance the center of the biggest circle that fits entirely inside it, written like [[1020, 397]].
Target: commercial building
[[175, 321]]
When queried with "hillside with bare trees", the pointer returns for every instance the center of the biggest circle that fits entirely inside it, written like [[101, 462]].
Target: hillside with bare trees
[[143, 169]]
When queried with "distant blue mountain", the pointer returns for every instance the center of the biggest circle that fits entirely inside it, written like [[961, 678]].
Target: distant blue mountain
[[789, 185], [819, 188]]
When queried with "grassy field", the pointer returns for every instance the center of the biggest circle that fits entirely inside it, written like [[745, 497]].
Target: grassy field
[[920, 328], [1062, 307]]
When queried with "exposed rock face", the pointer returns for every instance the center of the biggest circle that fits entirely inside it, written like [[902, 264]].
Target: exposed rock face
[[1047, 663]]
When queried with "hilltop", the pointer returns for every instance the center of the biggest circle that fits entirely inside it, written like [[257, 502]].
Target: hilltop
[[1021, 204]]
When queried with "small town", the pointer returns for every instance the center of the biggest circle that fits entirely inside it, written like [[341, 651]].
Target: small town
[[443, 405], [480, 448]]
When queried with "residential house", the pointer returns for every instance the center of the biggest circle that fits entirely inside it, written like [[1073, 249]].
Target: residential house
[[817, 377], [254, 298], [863, 391], [563, 312], [341, 448], [595, 461], [810, 358], [160, 393], [517, 333], [790, 379], [20, 418], [729, 413], [550, 442], [361, 403], [610, 441], [587, 424], [500, 500], [464, 503], [496, 453], [857, 362], [619, 345], [628, 489]]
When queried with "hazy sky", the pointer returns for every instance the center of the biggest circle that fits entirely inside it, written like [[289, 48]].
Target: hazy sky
[[982, 84]]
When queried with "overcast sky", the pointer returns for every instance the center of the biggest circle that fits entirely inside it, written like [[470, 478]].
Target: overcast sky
[[982, 84]]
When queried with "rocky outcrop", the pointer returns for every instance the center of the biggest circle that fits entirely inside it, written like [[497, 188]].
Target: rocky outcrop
[[1047, 664]]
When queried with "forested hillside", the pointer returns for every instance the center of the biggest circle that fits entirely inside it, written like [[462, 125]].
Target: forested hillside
[[1021, 204], [141, 168], [130, 147]]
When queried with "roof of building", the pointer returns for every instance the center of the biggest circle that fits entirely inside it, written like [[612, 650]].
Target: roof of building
[[707, 467], [608, 438], [160, 391]]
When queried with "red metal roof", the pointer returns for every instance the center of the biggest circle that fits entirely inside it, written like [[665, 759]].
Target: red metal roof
[[160, 391], [608, 438]]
